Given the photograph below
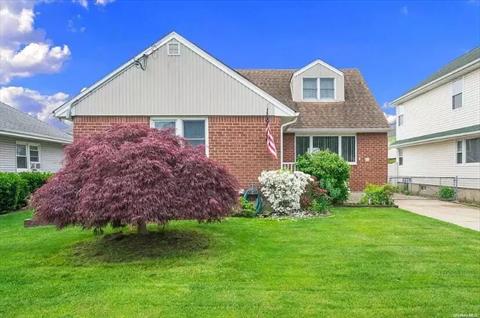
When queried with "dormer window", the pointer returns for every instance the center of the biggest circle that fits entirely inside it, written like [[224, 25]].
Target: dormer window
[[320, 88]]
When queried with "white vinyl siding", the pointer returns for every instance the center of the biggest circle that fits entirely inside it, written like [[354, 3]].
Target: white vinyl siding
[[432, 111], [184, 85], [50, 156], [438, 160]]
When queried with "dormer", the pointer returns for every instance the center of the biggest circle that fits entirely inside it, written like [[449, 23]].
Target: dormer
[[318, 82]]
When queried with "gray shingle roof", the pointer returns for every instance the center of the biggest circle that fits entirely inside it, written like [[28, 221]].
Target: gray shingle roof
[[14, 121], [463, 60], [359, 110]]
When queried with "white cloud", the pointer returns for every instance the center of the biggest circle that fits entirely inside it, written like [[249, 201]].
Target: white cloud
[[85, 3], [24, 51], [404, 10], [73, 25], [390, 118], [33, 102]]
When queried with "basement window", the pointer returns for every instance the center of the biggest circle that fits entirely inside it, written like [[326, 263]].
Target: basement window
[[173, 48]]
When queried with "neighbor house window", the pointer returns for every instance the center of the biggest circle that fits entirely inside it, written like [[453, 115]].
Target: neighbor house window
[[472, 150], [345, 146], [400, 120], [310, 88], [194, 130], [400, 157], [319, 88], [459, 151], [27, 154], [457, 90], [22, 159], [327, 88]]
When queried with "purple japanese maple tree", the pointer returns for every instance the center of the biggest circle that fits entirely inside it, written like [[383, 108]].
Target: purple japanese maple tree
[[134, 175]]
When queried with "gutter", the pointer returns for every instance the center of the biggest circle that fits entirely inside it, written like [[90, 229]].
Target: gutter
[[281, 136], [37, 137]]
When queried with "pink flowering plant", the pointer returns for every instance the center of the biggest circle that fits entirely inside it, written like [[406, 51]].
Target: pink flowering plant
[[134, 175]]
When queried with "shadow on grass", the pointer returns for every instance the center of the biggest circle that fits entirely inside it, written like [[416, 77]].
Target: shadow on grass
[[119, 248]]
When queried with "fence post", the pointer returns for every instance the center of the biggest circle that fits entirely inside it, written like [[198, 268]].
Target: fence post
[[455, 185]]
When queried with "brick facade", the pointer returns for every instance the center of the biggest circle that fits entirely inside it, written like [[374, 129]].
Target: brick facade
[[85, 125], [372, 159], [239, 143]]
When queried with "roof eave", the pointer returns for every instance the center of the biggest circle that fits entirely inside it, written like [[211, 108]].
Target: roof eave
[[35, 137], [437, 82]]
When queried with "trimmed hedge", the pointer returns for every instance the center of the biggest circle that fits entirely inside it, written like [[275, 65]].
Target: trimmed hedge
[[15, 188], [378, 195]]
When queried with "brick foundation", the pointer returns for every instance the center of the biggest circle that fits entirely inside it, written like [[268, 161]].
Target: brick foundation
[[369, 145]]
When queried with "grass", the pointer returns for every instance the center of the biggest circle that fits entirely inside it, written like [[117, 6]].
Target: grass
[[361, 262]]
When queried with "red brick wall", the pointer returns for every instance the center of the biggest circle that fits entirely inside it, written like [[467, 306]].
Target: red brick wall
[[372, 161], [288, 147], [369, 145], [85, 125], [238, 142]]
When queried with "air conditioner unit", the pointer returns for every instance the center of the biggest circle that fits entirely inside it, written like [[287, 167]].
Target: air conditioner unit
[[34, 166]]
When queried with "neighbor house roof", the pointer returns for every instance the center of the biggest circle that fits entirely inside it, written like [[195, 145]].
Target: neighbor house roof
[[463, 63], [18, 124], [358, 111]]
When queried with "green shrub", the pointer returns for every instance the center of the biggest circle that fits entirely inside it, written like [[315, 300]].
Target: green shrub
[[321, 204], [13, 191], [446, 193], [246, 209], [331, 171], [315, 199], [378, 194], [35, 179]]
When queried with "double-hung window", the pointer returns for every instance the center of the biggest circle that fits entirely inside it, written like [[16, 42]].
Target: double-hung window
[[318, 88], [460, 151], [468, 151], [27, 156], [400, 157], [345, 146], [193, 130], [457, 90], [400, 120]]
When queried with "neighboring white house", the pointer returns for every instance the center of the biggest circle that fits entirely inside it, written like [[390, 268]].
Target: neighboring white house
[[438, 125], [27, 143]]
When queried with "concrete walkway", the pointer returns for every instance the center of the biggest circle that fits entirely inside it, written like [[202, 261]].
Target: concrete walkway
[[458, 214]]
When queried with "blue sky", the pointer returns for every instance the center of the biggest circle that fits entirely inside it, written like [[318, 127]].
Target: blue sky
[[395, 44]]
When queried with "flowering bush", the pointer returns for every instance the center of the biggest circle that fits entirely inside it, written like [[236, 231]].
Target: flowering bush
[[283, 189], [314, 198], [132, 175]]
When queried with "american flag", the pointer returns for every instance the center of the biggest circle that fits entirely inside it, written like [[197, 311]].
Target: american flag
[[269, 137]]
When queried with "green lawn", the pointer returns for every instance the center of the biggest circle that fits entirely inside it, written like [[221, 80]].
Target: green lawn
[[357, 263]]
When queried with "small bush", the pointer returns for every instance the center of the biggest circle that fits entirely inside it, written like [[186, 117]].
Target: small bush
[[378, 194], [315, 199], [446, 193], [13, 191], [35, 179], [331, 171], [246, 209], [283, 189]]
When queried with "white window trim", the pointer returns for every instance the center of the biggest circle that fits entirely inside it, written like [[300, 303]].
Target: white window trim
[[464, 153], [179, 126], [28, 144], [310, 146], [400, 155], [168, 48], [398, 120], [318, 90], [452, 83]]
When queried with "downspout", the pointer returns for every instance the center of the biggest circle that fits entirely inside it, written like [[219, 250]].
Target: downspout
[[281, 137]]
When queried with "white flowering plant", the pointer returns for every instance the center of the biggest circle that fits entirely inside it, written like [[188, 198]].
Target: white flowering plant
[[283, 189]]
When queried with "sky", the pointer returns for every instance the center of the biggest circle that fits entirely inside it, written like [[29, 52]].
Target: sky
[[51, 49]]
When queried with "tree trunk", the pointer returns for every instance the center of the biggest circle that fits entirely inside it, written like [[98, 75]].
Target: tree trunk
[[142, 227]]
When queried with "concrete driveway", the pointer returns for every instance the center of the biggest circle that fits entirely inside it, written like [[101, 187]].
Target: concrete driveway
[[458, 214]]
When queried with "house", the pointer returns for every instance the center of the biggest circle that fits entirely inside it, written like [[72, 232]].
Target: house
[[438, 128], [176, 84], [27, 143]]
